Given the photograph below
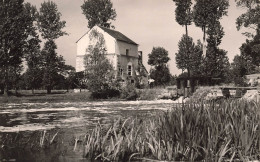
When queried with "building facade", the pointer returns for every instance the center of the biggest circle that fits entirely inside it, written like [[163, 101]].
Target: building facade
[[121, 51]]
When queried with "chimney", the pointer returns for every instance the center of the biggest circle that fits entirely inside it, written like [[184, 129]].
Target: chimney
[[140, 56]]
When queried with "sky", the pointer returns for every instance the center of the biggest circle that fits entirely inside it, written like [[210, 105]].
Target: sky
[[149, 23]]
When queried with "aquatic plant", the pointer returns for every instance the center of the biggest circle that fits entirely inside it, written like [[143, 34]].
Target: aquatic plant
[[195, 131]]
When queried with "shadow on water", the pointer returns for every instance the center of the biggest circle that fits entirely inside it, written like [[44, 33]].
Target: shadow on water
[[27, 146]]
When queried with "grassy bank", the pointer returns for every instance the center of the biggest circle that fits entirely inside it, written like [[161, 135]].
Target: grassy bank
[[41, 96], [64, 96]]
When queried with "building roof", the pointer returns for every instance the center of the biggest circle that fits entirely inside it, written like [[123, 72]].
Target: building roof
[[115, 34], [118, 36], [251, 76]]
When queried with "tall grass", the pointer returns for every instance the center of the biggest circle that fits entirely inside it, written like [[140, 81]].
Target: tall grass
[[197, 131]]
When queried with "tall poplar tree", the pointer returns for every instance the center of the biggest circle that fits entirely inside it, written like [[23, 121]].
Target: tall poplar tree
[[183, 14], [189, 55], [12, 37], [207, 11], [33, 75], [50, 26], [99, 12]]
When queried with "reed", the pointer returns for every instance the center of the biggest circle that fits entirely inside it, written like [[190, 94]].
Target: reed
[[197, 131]]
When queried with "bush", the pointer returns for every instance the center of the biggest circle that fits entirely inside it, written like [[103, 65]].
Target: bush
[[129, 92], [105, 94]]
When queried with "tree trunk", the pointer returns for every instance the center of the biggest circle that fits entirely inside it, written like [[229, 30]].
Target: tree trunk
[[48, 90], [16, 91], [2, 90], [186, 28], [188, 84], [204, 41], [5, 81], [32, 91], [6, 90]]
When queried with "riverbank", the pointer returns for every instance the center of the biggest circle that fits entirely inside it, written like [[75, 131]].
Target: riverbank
[[40, 96]]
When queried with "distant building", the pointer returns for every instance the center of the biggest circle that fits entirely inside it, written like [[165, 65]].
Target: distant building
[[253, 79], [122, 53]]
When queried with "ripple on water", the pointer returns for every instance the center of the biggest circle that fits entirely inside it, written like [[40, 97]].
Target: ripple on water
[[38, 116]]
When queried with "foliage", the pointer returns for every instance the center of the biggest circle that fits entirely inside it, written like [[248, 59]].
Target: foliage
[[69, 74], [189, 56], [250, 19], [250, 52], [216, 63], [33, 75], [239, 70], [12, 35], [161, 75], [207, 12], [158, 56], [49, 21], [99, 12], [50, 26], [183, 14], [99, 73], [215, 34], [129, 92], [149, 94], [230, 127], [52, 65]]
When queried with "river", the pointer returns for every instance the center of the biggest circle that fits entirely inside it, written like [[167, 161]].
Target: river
[[74, 118]]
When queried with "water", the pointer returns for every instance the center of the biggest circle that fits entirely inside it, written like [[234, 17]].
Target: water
[[41, 116], [70, 119]]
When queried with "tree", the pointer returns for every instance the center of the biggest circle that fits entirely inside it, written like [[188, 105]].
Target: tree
[[50, 27], [52, 64], [161, 75], [99, 12], [15, 77], [250, 19], [251, 48], [189, 56], [33, 75], [250, 53], [69, 74], [49, 21], [99, 73], [12, 37], [183, 14], [207, 11], [216, 62], [239, 70], [158, 58]]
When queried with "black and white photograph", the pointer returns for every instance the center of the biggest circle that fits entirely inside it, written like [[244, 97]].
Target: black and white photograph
[[129, 80]]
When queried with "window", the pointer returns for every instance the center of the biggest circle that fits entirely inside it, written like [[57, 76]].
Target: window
[[129, 70], [120, 71], [127, 52]]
